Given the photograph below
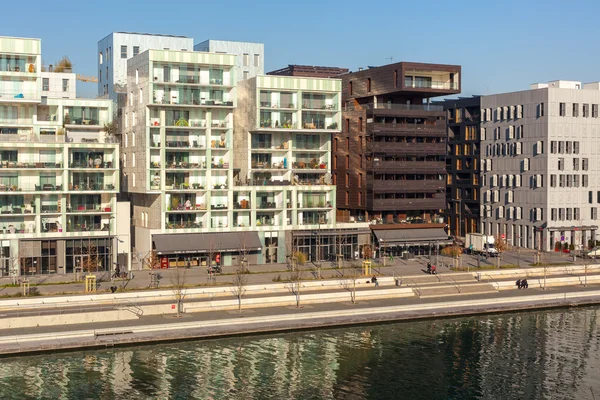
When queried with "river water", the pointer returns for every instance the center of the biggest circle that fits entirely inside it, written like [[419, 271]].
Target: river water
[[530, 355]]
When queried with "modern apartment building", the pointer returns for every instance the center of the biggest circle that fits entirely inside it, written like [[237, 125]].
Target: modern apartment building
[[58, 172], [282, 147], [539, 168], [389, 158], [462, 165], [115, 49], [250, 60]]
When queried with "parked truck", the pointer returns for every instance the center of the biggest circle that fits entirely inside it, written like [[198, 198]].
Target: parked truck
[[477, 243]]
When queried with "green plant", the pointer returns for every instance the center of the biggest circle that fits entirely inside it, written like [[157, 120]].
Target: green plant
[[64, 65], [174, 202], [110, 128]]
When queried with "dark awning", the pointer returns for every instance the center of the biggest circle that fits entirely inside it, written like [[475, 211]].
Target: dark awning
[[410, 237], [203, 242]]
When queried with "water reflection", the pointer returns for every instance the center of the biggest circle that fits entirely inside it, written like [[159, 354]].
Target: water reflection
[[537, 355]]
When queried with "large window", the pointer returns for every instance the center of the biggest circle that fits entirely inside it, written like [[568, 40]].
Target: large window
[[308, 142], [88, 255], [261, 141], [123, 51]]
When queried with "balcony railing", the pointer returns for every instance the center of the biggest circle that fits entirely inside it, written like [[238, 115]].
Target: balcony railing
[[412, 83], [204, 103], [89, 208], [392, 106], [18, 96], [39, 165]]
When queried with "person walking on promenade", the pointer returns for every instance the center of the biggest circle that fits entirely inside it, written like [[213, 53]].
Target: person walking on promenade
[[518, 283]]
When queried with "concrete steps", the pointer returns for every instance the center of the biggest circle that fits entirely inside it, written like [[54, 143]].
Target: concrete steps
[[445, 289]]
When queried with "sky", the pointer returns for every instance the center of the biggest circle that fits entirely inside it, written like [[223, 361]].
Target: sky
[[501, 46]]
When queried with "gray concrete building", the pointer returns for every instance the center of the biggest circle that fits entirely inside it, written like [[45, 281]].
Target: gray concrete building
[[539, 165], [250, 56]]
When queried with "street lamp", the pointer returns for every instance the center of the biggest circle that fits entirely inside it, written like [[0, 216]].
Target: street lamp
[[117, 248], [382, 250]]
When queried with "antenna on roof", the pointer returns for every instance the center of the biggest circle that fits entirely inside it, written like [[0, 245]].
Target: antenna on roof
[[391, 58]]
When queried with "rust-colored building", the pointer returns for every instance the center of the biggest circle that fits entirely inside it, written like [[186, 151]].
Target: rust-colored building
[[389, 159]]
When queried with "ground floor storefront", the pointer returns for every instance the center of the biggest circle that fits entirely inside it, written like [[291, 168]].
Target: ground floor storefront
[[27, 257], [409, 240]]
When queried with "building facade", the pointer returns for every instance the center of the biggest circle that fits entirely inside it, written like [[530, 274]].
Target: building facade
[[115, 49], [59, 174], [310, 71], [462, 165], [250, 60], [389, 158], [540, 164]]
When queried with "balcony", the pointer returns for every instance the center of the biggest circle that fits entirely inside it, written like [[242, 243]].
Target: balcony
[[89, 208], [30, 165], [422, 130], [408, 204], [429, 84], [198, 103], [394, 106], [408, 186], [18, 96], [407, 148], [417, 167]]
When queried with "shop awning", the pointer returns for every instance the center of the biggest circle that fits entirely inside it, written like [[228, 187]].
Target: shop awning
[[205, 242], [411, 237]]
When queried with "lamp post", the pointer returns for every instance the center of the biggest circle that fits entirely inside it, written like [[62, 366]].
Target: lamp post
[[382, 251]]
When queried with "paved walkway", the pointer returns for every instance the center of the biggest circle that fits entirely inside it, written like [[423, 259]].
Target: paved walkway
[[264, 273]]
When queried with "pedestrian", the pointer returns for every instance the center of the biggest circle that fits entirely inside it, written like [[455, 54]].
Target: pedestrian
[[518, 283], [117, 272], [375, 281], [524, 284], [391, 257]]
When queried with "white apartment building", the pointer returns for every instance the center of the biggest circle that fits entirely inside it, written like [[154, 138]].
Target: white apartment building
[[115, 49], [540, 183], [59, 175], [250, 60]]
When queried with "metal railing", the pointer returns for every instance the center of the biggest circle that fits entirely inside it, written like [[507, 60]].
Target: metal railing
[[416, 287], [497, 285]]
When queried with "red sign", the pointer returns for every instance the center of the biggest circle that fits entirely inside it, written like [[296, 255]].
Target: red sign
[[503, 236], [172, 306], [164, 263]]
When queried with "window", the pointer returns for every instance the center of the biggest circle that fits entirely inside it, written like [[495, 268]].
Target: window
[[348, 143], [575, 147], [133, 118], [100, 58], [586, 111], [141, 96], [598, 197], [45, 84], [576, 164], [540, 110], [257, 60], [137, 77], [575, 110], [521, 132], [568, 147], [335, 145], [594, 110], [246, 59], [108, 53], [245, 75], [562, 109], [65, 85], [360, 179], [526, 164], [501, 212], [594, 213], [552, 180], [346, 198], [334, 161], [561, 147], [584, 181], [509, 196], [511, 112], [584, 164], [368, 84], [576, 213], [335, 179], [347, 125], [126, 139], [123, 51], [136, 50], [351, 93], [519, 111], [347, 181], [100, 75], [561, 214], [124, 160], [561, 181], [553, 147], [133, 159], [130, 98], [496, 196], [553, 214], [347, 161], [511, 132], [591, 197], [561, 164], [133, 179], [569, 214], [360, 198], [360, 124], [539, 147], [126, 120]]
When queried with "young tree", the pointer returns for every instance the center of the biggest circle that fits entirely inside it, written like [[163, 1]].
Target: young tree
[[500, 244], [152, 260], [340, 241], [294, 262], [240, 280], [178, 280], [90, 262], [350, 276], [244, 251], [454, 251]]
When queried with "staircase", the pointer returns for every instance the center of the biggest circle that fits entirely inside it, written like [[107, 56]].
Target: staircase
[[131, 307], [442, 285]]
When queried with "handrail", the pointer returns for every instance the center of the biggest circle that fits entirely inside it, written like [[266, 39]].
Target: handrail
[[493, 280], [456, 285], [416, 287]]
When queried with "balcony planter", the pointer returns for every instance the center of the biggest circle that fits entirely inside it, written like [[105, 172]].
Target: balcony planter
[[322, 166]]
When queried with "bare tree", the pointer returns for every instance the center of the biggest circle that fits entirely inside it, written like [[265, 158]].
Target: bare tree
[[500, 244], [244, 251], [294, 261], [90, 262], [178, 280], [240, 280], [349, 278], [152, 260], [454, 251], [340, 241]]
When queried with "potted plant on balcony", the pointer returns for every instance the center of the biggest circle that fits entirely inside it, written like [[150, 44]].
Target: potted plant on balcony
[[323, 165], [196, 185], [333, 126], [221, 162], [186, 186]]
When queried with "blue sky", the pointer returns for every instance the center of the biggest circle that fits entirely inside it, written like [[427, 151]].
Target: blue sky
[[502, 46]]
